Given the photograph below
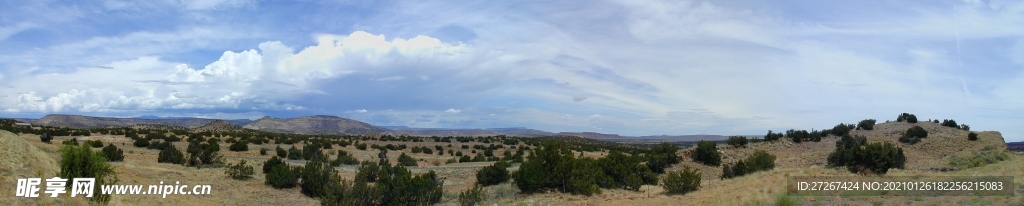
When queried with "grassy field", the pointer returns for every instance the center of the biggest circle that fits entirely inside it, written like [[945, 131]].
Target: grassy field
[[26, 156]]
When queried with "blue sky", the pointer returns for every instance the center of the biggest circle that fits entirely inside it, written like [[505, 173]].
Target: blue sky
[[627, 67]]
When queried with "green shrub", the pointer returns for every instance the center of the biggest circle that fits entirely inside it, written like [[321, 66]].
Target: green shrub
[[759, 161], [310, 150], [662, 156], [972, 136], [82, 162], [950, 123], [624, 172], [281, 152], [492, 175], [910, 118], [263, 151], [270, 163], [368, 171], [867, 124], [171, 155], [707, 153], [553, 166], [406, 160], [682, 182], [203, 153], [986, 156], [239, 146], [737, 141], [344, 160], [281, 176], [294, 153], [315, 175], [858, 156], [772, 136], [913, 135], [239, 171], [472, 196], [112, 153], [141, 142], [95, 143]]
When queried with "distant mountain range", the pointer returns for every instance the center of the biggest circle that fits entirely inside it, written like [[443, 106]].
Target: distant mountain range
[[324, 124], [86, 122]]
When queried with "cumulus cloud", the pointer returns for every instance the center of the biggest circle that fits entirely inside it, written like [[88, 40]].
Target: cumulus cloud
[[453, 111]]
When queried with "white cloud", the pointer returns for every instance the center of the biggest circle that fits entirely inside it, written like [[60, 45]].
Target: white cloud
[[453, 111]]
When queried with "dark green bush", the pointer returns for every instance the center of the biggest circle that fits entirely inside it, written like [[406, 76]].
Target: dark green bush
[[406, 160], [239, 171], [867, 124], [81, 162], [492, 175], [281, 176], [310, 150], [913, 135], [315, 175], [759, 161], [950, 123], [737, 141], [141, 142], [707, 153], [95, 143], [281, 152], [972, 136], [682, 182], [859, 157], [270, 163], [200, 153], [171, 155], [112, 153], [263, 151], [772, 136], [662, 156], [910, 118], [294, 153], [239, 146]]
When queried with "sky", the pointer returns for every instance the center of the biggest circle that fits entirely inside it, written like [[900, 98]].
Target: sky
[[631, 67]]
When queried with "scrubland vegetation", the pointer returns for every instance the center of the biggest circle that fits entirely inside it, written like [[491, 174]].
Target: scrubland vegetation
[[391, 170]]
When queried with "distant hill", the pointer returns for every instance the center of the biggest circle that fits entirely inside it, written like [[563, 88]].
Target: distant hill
[[1015, 146], [218, 126], [87, 122], [514, 131], [320, 124]]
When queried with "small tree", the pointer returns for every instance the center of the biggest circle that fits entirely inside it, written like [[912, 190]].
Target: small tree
[[867, 124], [112, 153], [141, 142], [239, 171], [294, 153], [707, 153], [281, 152], [239, 146], [913, 135], [492, 175], [737, 141], [171, 155], [406, 160], [81, 162], [972, 136], [281, 176], [682, 182]]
